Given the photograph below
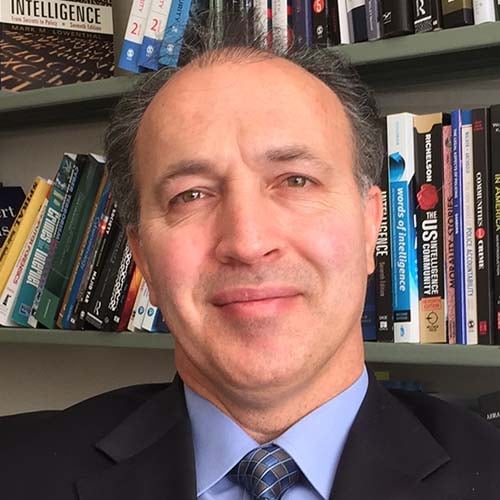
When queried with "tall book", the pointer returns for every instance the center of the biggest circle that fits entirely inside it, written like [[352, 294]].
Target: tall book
[[41, 248], [302, 23], [485, 11], [64, 259], [134, 34], [422, 16], [401, 164], [397, 18], [430, 226], [51, 43], [457, 13], [449, 231], [482, 230], [356, 18], [332, 9], [11, 200], [383, 273], [495, 195], [319, 24], [21, 227]]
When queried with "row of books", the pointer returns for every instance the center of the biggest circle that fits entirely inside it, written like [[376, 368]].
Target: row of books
[[437, 276], [65, 261], [155, 29]]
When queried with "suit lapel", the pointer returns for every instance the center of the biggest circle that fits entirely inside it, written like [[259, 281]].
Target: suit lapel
[[153, 454], [388, 452]]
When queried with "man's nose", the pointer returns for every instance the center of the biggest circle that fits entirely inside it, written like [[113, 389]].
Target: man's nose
[[248, 229]]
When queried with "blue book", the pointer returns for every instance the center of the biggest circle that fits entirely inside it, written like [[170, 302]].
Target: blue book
[[369, 317], [302, 23]]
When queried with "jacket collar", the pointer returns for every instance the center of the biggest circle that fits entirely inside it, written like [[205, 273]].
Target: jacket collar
[[388, 452], [153, 452]]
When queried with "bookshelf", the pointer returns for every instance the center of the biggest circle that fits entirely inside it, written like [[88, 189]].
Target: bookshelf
[[418, 73]]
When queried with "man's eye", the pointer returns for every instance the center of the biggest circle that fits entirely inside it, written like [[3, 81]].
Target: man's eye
[[297, 181], [188, 196]]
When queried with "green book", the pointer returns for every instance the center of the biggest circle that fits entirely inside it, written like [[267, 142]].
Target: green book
[[92, 167]]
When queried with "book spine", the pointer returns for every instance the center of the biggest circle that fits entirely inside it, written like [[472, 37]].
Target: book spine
[[469, 246], [140, 287], [356, 17], [495, 171], [21, 228], [129, 305], [149, 320], [397, 18], [383, 273], [422, 16], [280, 25], [11, 291], [319, 24], [345, 37], [403, 231], [156, 22], [482, 232], [171, 44], [134, 34], [369, 316], [449, 231], [302, 23], [64, 259], [142, 305], [11, 201], [260, 21], [437, 15], [69, 165], [332, 9], [429, 209], [373, 29], [457, 13], [485, 11]]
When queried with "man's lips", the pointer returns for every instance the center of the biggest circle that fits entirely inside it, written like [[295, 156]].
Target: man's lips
[[242, 295]]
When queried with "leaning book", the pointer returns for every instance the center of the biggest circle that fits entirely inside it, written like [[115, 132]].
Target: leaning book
[[48, 43]]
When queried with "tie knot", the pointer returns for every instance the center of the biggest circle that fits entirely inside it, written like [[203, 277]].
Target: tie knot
[[266, 472]]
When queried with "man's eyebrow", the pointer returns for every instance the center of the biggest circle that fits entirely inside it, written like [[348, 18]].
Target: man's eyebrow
[[293, 153], [182, 168]]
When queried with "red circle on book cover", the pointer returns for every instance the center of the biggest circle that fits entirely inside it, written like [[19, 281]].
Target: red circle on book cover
[[427, 197], [480, 233], [318, 6]]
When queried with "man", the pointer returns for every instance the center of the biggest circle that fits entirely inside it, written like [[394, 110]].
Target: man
[[248, 187]]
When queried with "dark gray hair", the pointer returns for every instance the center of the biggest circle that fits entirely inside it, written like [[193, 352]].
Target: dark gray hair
[[207, 46]]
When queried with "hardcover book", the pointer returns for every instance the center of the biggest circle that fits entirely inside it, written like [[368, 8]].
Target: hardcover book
[[356, 17], [47, 43], [457, 13], [302, 23], [319, 24], [422, 16], [397, 18], [11, 200]]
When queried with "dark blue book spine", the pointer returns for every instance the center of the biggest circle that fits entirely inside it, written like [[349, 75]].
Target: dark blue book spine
[[369, 317], [302, 23]]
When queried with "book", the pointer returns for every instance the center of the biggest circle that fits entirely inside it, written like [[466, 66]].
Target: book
[[383, 273], [449, 230], [369, 316], [129, 306], [457, 13], [422, 16], [437, 15], [70, 175], [302, 23], [319, 24], [149, 53], [332, 10], [401, 164], [485, 11], [49, 43], [345, 36], [11, 291], [495, 210], [356, 18], [280, 25], [21, 227], [373, 26], [397, 18], [64, 258], [430, 226], [11, 201], [142, 305], [134, 34], [482, 228]]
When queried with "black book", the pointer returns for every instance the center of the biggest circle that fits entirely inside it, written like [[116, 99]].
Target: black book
[[482, 202], [422, 15], [356, 18], [397, 18], [319, 24], [332, 8], [11, 200], [457, 13]]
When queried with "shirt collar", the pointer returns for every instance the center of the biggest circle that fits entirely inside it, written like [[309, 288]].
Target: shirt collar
[[315, 442]]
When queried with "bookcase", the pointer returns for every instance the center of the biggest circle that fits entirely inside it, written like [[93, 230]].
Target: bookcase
[[52, 369]]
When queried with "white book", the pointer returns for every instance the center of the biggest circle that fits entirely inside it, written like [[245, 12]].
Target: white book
[[149, 317], [130, 326], [484, 11], [280, 25], [401, 158], [345, 37], [142, 305], [469, 240], [11, 290], [260, 21]]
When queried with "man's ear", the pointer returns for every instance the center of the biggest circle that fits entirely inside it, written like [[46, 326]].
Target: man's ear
[[137, 249], [373, 219]]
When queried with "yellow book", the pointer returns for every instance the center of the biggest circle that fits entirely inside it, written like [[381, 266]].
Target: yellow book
[[21, 228]]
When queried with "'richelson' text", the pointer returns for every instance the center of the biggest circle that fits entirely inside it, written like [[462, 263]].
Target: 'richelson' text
[[48, 9]]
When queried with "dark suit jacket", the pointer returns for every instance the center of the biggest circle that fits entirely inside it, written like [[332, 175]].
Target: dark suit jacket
[[135, 444]]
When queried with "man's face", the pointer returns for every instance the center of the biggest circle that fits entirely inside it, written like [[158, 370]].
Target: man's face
[[254, 238]]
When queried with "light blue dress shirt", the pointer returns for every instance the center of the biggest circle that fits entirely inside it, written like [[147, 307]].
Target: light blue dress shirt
[[315, 443]]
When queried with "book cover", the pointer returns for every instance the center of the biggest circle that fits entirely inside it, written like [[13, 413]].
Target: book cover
[[11, 291], [47, 43], [41, 247], [396, 17], [356, 18], [69, 184], [430, 226], [383, 272], [302, 23], [319, 24], [422, 16], [21, 227], [401, 157], [457, 13], [449, 230], [64, 258], [11, 201], [495, 208], [373, 26], [156, 23], [482, 230]]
